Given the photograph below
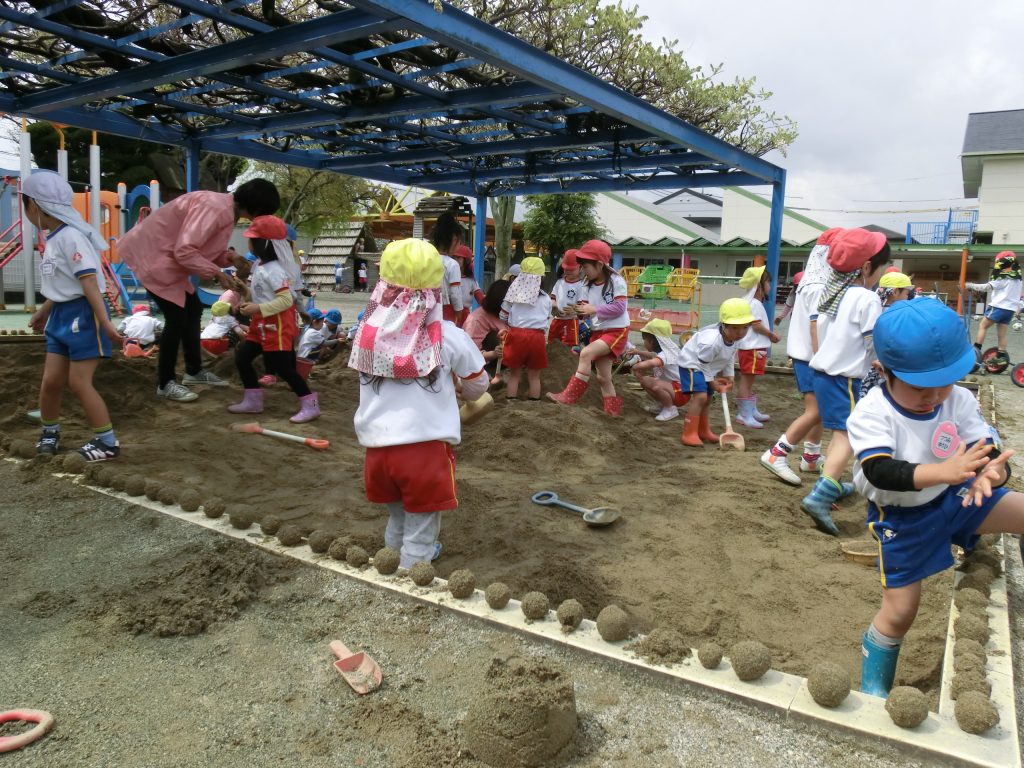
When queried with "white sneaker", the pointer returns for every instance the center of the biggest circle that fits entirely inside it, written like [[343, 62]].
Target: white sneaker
[[667, 414], [204, 377], [172, 390], [779, 467], [815, 467]]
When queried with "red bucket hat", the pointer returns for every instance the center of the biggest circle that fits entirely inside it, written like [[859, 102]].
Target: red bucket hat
[[853, 248], [828, 236], [595, 250], [569, 259], [267, 228], [797, 278]]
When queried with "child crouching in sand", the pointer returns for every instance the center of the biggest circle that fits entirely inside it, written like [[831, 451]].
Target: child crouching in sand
[[408, 418], [660, 355]]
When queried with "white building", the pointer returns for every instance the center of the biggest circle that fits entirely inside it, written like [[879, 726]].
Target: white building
[[993, 171]]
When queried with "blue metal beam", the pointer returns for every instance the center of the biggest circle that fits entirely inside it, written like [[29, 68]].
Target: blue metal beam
[[775, 243], [661, 181], [104, 122]]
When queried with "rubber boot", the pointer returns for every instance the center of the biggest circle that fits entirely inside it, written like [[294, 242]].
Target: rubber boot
[[572, 393], [309, 409], [704, 429], [252, 402], [762, 417], [746, 414], [818, 504], [691, 429], [612, 405], [877, 668]]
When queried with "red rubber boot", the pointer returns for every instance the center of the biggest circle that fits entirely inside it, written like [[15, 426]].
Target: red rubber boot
[[613, 405], [572, 393]]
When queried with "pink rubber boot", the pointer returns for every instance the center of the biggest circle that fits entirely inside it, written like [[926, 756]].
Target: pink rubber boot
[[309, 409], [252, 402]]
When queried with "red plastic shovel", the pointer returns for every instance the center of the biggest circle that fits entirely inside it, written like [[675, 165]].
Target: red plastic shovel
[[254, 428], [43, 721], [359, 670]]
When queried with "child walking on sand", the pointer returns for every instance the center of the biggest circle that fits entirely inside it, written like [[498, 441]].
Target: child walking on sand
[[603, 303], [78, 329], [753, 348], [408, 417], [706, 363], [273, 329], [566, 292], [527, 309], [928, 467]]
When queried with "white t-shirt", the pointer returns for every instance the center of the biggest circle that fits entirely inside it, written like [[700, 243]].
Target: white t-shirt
[[596, 296], [707, 352], [311, 339], [267, 280], [141, 327], [879, 427], [798, 342], [469, 288], [566, 294], [452, 277], [535, 316], [411, 411], [1002, 294], [670, 368], [844, 344], [218, 327], [68, 255], [753, 339]]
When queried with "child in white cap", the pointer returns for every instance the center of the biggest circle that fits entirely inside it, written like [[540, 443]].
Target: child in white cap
[[408, 416], [660, 356], [74, 316], [928, 466], [527, 310], [752, 349]]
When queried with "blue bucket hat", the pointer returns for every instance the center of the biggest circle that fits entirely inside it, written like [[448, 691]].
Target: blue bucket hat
[[923, 343], [315, 314], [333, 316]]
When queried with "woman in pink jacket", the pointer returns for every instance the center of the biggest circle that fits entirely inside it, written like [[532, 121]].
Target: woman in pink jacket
[[189, 237]]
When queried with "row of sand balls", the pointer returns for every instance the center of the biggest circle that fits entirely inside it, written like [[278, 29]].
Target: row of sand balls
[[18, 332]]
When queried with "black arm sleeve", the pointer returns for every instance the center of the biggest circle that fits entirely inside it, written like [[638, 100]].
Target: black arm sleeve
[[888, 474]]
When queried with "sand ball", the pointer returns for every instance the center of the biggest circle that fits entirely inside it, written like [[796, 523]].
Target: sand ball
[[980, 570], [106, 476], [570, 614], [969, 680], [975, 712], [497, 595], [535, 606], [662, 646], [750, 659], [987, 557], [829, 684], [975, 581], [289, 535], [242, 517], [971, 627], [966, 597], [214, 508], [710, 655], [356, 556], [271, 524], [339, 547], [907, 707], [92, 473], [119, 481], [75, 463], [422, 573], [135, 485], [462, 583], [976, 612], [189, 500], [613, 624], [153, 489], [45, 458], [386, 561], [524, 715], [967, 662], [966, 647], [168, 496], [24, 449], [320, 541]]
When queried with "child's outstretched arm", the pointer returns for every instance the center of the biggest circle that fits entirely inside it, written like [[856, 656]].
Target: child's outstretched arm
[[889, 474]]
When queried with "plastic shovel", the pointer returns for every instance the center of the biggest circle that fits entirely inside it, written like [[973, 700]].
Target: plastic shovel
[[254, 428], [595, 518], [359, 670], [474, 410], [729, 438]]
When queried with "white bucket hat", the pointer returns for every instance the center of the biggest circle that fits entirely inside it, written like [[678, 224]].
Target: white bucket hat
[[53, 195]]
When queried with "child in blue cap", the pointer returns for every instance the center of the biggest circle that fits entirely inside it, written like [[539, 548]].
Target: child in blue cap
[[928, 467]]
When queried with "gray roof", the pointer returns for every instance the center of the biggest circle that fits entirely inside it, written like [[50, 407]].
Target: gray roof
[[989, 133]]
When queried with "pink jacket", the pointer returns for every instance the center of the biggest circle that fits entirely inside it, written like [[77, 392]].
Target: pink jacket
[[187, 236], [480, 323]]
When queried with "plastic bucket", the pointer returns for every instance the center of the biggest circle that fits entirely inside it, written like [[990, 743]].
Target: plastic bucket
[[304, 366]]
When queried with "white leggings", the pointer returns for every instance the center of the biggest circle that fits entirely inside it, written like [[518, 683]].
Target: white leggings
[[413, 534]]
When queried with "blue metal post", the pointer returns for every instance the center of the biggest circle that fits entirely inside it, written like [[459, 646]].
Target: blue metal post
[[192, 158], [616, 261], [478, 243], [775, 242]]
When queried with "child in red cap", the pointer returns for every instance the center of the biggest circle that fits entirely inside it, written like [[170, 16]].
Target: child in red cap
[[565, 293], [470, 287], [842, 328], [604, 301], [1003, 290]]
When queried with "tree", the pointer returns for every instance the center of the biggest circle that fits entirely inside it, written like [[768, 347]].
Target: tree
[[503, 210], [311, 200], [556, 223]]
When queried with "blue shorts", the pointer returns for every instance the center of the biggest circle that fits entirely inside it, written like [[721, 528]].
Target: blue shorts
[[913, 542], [72, 331], [804, 377], [999, 315], [692, 380], [836, 396]]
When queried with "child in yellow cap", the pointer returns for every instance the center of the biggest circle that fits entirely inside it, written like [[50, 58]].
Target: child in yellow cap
[[660, 356], [527, 310], [752, 349], [408, 416]]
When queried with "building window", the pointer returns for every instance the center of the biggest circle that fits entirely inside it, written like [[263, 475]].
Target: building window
[[742, 266]]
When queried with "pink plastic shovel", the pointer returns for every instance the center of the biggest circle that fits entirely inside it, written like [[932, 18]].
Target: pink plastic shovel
[[359, 670], [43, 721]]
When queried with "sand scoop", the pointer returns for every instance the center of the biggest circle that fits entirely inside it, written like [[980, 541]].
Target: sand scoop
[[254, 428], [359, 670], [595, 518], [729, 438]]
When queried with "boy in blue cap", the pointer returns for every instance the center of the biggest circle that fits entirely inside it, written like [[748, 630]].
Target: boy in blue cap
[[928, 467]]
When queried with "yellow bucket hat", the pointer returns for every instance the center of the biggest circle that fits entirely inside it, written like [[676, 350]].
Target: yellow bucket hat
[[411, 263], [220, 308], [658, 327], [532, 265], [751, 277], [895, 280], [735, 312]]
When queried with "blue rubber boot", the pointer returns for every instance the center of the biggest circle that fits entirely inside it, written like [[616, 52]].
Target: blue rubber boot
[[877, 668], [818, 504], [848, 490]]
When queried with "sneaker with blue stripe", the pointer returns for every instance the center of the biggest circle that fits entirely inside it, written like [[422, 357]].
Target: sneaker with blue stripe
[[97, 450]]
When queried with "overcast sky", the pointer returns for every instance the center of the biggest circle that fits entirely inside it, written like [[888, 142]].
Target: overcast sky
[[880, 91]]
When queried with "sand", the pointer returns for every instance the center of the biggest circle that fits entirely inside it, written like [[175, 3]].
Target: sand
[[709, 545]]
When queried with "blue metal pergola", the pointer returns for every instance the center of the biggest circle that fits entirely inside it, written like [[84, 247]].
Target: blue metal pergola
[[411, 92]]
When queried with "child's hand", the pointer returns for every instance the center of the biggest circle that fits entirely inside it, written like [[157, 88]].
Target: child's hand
[[585, 309], [723, 384], [248, 308], [111, 331], [38, 320], [994, 474], [775, 338], [963, 465]]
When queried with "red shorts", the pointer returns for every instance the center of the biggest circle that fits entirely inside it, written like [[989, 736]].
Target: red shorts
[[460, 320], [447, 313], [615, 338], [679, 398], [215, 346], [420, 475], [566, 331], [275, 333], [525, 348], [753, 361]]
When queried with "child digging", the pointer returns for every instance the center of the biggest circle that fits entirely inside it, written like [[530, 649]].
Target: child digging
[[928, 467], [527, 309], [408, 417], [78, 329], [706, 362]]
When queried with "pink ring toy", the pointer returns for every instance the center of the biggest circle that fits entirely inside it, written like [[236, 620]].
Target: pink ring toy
[[43, 720]]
